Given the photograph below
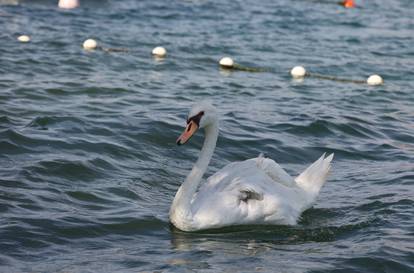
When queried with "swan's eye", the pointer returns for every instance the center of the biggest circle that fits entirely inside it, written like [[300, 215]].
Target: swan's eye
[[196, 118]]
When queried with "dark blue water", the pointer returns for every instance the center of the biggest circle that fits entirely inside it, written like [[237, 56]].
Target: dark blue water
[[88, 161]]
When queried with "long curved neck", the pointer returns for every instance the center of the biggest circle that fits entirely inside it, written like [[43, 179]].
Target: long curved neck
[[181, 206]]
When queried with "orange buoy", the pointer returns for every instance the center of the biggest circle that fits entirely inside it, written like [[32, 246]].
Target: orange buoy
[[348, 3]]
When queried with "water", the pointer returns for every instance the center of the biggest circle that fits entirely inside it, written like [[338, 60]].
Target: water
[[88, 161]]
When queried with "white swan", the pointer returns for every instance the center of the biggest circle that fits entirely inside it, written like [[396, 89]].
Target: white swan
[[254, 191]]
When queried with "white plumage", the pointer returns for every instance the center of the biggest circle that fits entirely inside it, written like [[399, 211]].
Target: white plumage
[[254, 191]]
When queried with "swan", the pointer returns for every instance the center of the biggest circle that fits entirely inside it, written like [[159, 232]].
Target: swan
[[256, 191]]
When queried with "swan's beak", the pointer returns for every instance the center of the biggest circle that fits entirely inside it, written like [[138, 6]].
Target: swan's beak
[[188, 133]]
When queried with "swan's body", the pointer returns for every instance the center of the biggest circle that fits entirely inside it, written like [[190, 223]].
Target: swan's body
[[254, 191]]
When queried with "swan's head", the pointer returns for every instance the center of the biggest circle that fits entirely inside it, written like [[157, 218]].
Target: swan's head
[[202, 115]]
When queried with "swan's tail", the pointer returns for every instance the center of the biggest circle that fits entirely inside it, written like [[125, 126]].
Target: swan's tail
[[313, 178]]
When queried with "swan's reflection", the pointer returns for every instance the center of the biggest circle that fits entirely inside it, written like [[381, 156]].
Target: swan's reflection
[[223, 240], [203, 250], [247, 249]]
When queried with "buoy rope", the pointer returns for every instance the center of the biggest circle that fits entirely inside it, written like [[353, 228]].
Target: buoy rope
[[313, 75], [249, 69], [333, 78], [113, 49]]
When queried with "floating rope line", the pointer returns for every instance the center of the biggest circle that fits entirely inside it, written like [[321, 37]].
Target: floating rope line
[[298, 72], [228, 63], [248, 69], [333, 78], [114, 49], [90, 44]]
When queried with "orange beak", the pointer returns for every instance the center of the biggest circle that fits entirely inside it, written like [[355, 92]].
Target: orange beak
[[188, 133]]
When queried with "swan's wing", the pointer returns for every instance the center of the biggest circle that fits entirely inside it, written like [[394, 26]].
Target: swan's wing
[[248, 167], [272, 169], [243, 193]]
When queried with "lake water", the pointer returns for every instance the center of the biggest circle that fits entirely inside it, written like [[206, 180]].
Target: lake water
[[88, 161]]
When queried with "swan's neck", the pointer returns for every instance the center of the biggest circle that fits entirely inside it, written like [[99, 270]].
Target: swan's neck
[[180, 213]]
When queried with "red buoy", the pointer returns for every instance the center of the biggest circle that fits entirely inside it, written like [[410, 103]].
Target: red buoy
[[348, 3]]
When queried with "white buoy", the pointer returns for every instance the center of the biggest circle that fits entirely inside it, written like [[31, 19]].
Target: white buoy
[[226, 62], [68, 4], [375, 80], [90, 44], [298, 72], [23, 38], [159, 51]]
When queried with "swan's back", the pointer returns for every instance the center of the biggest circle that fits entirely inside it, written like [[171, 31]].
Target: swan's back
[[254, 191], [244, 193]]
